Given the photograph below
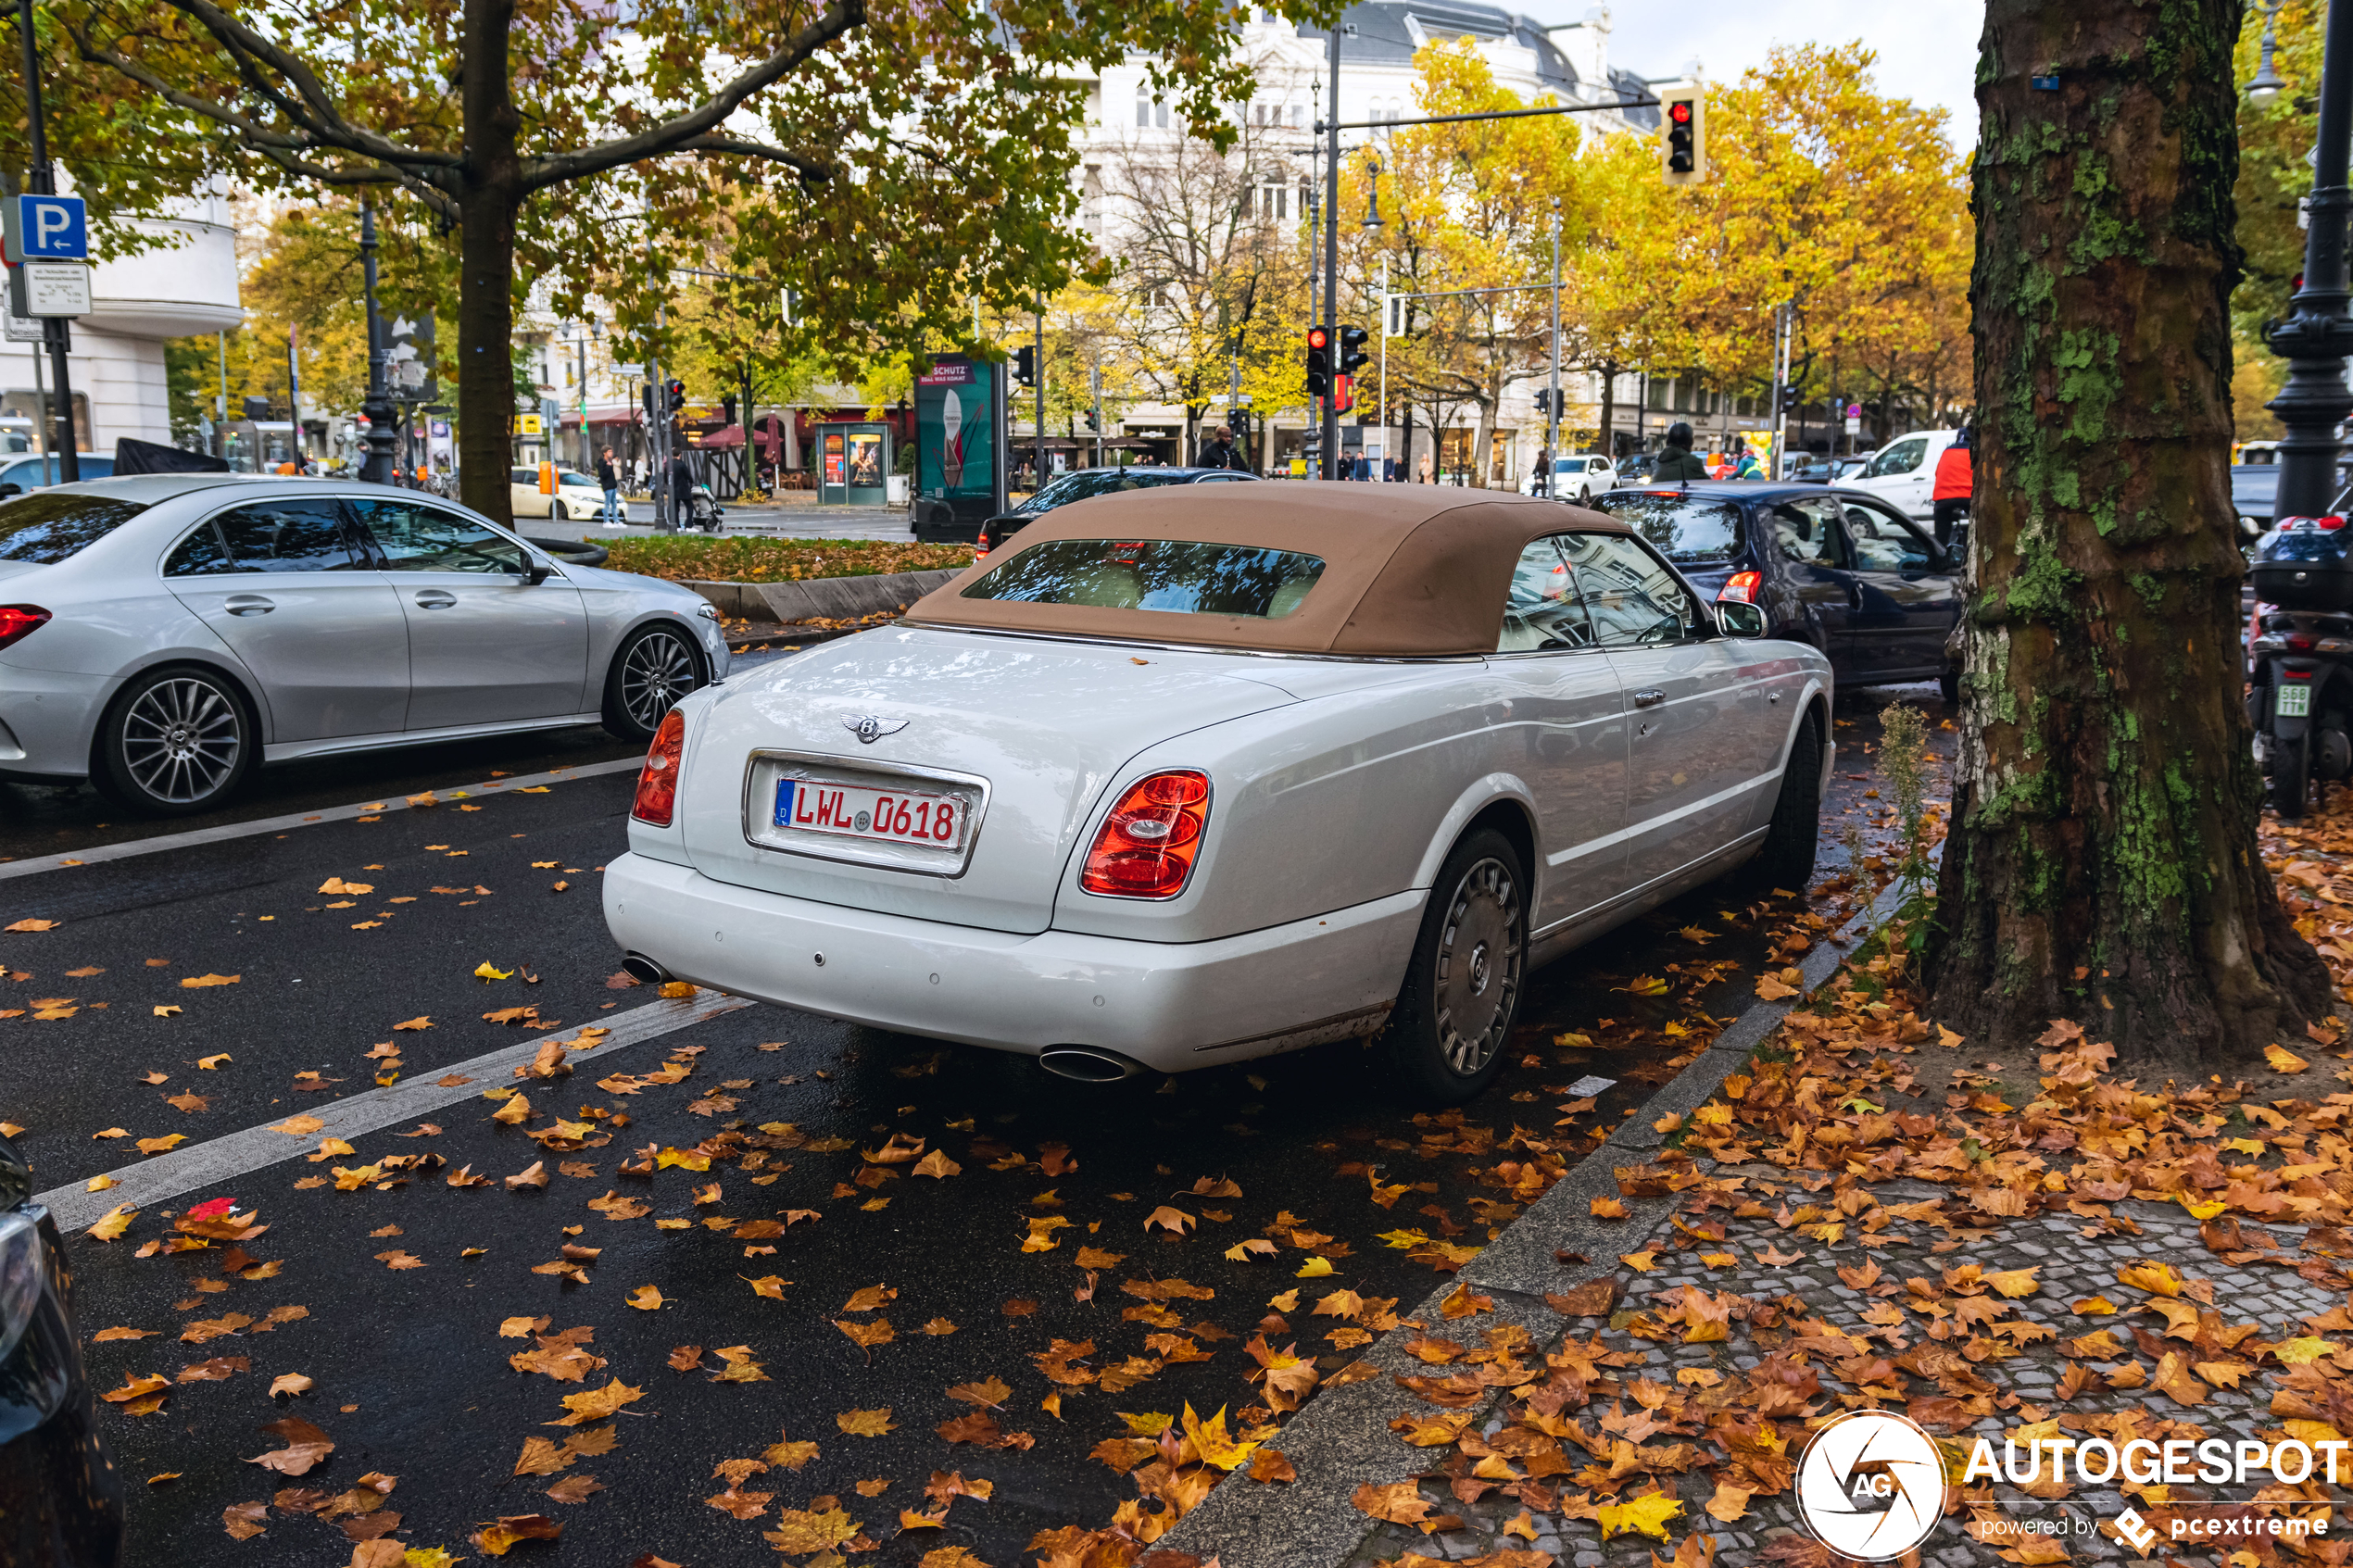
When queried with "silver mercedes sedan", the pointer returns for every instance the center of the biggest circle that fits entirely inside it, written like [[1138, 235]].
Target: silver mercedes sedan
[[162, 637]]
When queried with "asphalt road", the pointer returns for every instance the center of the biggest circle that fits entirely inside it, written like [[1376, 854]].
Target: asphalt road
[[406, 1280]]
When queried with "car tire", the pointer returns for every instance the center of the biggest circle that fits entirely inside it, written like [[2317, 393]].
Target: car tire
[[1585, 496], [556, 513], [2291, 775], [175, 742], [1948, 686], [1786, 858], [1452, 1022], [652, 668]]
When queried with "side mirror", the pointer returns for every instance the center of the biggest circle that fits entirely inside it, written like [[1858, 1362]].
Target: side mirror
[[535, 571], [1737, 620], [11, 489]]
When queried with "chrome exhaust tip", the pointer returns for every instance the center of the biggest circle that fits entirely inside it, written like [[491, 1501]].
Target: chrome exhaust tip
[[643, 969], [1087, 1064]]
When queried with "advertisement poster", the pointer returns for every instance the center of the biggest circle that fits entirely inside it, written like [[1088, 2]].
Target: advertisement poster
[[834, 460], [865, 459], [955, 430]]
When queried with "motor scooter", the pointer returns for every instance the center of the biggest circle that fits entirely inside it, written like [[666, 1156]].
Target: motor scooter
[[2300, 697]]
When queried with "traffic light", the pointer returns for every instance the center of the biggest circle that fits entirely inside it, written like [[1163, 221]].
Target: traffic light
[[1026, 365], [675, 399], [1683, 147], [1343, 394], [1352, 349], [1092, 423], [1544, 400], [1319, 361], [1789, 399]]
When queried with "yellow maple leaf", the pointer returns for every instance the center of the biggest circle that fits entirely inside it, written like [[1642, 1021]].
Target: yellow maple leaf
[[1648, 1515], [866, 1423], [1218, 1450], [1643, 986], [484, 970], [2296, 1352], [646, 1299], [2154, 1277], [1315, 1268], [2284, 1060], [118, 1220]]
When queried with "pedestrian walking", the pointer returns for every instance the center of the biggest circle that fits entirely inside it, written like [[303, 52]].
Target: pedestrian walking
[[1954, 479], [1218, 451], [609, 479], [682, 492], [1676, 462], [1748, 467], [1430, 469]]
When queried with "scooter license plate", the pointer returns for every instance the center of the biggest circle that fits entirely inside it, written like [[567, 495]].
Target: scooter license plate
[[2294, 701]]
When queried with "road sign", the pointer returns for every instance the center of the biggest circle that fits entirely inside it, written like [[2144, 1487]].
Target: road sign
[[528, 424], [49, 288], [1854, 425], [629, 369], [46, 228], [21, 329], [410, 369]]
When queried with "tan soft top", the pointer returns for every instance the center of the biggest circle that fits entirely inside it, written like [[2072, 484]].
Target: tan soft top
[[1410, 571]]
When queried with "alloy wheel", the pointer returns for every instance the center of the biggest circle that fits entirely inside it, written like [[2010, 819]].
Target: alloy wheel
[[1479, 960], [659, 669], [182, 740]]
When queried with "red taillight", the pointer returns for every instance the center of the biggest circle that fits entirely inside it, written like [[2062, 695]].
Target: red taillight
[[20, 622], [658, 780], [2299, 642], [1147, 844], [1740, 587], [2330, 523]]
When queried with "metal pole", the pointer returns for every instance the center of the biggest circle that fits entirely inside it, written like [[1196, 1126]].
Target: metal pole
[[41, 412], [2318, 334], [1385, 308], [1314, 433], [376, 468], [1095, 380], [1552, 416], [1331, 259], [658, 418], [220, 341], [1041, 391], [1780, 384], [54, 332]]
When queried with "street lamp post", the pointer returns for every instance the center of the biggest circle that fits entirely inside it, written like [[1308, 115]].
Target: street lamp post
[[1552, 406], [41, 180], [2317, 333], [376, 469], [1331, 429]]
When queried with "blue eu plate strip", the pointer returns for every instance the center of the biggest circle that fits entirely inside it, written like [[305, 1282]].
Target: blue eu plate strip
[[784, 803]]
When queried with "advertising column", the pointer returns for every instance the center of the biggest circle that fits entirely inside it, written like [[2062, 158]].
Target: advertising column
[[960, 470]]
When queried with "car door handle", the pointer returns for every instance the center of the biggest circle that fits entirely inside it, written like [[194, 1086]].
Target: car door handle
[[248, 604], [436, 599], [1649, 698]]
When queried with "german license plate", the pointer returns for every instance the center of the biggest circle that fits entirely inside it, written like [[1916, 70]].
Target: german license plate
[[854, 811], [2295, 700]]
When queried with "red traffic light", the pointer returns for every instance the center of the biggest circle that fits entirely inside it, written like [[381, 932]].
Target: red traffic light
[[1318, 338], [1680, 111]]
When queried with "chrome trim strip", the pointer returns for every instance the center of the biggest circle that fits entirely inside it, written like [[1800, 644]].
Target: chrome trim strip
[[286, 751]]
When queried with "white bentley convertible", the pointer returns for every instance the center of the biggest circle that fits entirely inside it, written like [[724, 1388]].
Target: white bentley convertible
[[1189, 776]]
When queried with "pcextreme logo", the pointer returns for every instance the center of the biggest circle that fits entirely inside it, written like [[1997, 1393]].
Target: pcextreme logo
[[1871, 1486]]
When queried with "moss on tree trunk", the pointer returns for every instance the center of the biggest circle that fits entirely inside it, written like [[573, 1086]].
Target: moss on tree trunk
[[2102, 865]]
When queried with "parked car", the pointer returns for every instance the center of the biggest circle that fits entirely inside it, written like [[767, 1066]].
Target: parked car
[[1635, 470], [1811, 470], [577, 494], [1085, 485], [1575, 479], [64, 1507], [1833, 568], [1181, 779], [1845, 469], [32, 473], [1903, 471], [163, 635]]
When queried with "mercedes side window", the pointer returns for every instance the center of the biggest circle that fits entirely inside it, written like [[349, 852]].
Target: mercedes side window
[[1634, 599], [1545, 612], [284, 536], [1902, 457], [418, 538], [1807, 534], [1883, 544], [199, 555]]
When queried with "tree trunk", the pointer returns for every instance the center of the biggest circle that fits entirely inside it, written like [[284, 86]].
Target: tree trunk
[[2102, 865], [1608, 442], [491, 196], [1482, 455]]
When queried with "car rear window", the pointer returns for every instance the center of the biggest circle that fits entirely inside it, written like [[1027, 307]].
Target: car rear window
[[1686, 531], [1108, 481], [1176, 576], [56, 525]]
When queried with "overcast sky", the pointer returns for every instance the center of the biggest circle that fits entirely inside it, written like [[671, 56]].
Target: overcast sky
[[1926, 48]]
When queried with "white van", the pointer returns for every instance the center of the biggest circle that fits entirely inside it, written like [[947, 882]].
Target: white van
[[1904, 471]]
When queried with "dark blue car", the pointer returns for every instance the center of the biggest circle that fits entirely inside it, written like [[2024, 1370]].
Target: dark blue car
[[1839, 568]]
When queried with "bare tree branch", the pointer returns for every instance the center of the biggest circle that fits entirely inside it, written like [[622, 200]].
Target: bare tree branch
[[812, 168], [839, 17]]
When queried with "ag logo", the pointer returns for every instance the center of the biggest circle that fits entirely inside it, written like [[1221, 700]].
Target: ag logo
[[1871, 1486]]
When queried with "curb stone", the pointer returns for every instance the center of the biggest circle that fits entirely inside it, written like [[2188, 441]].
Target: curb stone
[[824, 599], [1341, 1440]]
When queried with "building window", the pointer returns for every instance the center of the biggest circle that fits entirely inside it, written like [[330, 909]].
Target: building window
[[1090, 209], [1299, 117], [1143, 113]]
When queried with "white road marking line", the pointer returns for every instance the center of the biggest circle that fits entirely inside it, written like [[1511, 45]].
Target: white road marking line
[[238, 1154], [106, 852]]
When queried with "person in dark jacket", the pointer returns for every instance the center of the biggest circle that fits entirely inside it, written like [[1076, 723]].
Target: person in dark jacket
[[609, 481], [682, 493], [1676, 462]]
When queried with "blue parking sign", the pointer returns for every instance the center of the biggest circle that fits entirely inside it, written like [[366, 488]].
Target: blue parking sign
[[48, 228]]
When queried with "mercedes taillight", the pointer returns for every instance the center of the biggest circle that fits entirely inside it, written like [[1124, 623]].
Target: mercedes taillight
[[1740, 587], [658, 780], [1146, 847], [20, 622]]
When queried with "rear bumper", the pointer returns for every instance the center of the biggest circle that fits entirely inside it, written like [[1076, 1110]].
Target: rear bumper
[[46, 719], [1170, 1006]]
